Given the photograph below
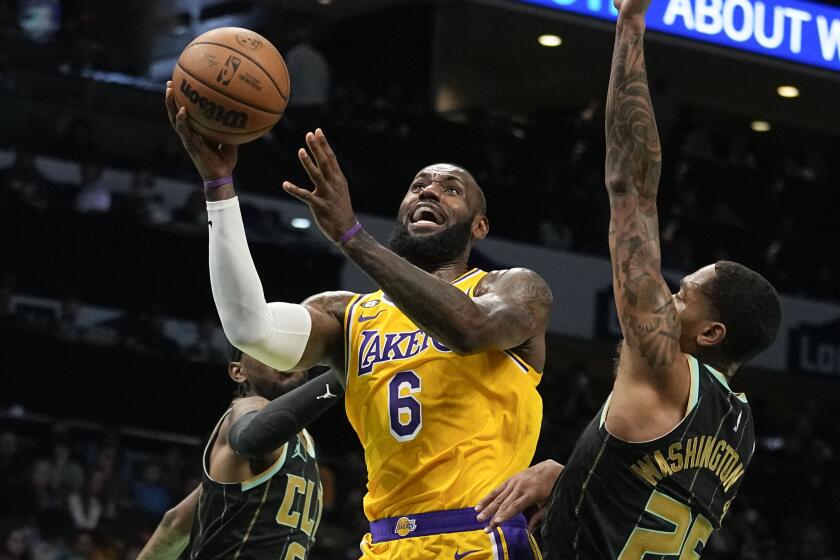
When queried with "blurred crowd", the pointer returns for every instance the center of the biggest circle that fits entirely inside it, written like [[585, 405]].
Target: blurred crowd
[[83, 494], [24, 186], [721, 197], [138, 331], [68, 493]]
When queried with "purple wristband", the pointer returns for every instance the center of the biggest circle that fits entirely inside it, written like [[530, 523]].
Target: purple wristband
[[350, 233], [220, 182]]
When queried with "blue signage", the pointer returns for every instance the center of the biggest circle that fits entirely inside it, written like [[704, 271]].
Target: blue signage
[[794, 30]]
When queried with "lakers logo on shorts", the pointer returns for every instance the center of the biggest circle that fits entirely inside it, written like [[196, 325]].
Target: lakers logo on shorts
[[405, 526]]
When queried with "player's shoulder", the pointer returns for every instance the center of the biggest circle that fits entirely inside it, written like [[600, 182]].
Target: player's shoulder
[[519, 279], [334, 302]]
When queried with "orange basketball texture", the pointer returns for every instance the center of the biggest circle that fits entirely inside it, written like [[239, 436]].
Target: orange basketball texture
[[234, 84]]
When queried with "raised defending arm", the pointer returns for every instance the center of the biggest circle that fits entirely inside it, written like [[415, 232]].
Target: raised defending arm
[[646, 310]]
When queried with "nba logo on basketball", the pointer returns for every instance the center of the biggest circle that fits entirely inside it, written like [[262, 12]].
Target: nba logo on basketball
[[405, 526], [231, 63]]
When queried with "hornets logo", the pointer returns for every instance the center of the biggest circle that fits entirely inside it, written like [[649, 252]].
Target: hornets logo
[[405, 526]]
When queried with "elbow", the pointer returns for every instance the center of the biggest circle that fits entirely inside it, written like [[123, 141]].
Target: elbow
[[242, 334], [467, 341], [243, 341], [465, 349]]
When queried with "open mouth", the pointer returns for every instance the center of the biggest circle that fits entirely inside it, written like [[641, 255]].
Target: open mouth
[[426, 216]]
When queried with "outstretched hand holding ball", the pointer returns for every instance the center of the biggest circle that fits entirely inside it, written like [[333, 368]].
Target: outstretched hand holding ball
[[211, 159], [233, 83]]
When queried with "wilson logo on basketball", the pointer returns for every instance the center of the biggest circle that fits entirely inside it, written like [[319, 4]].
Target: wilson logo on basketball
[[249, 41], [231, 65], [211, 110]]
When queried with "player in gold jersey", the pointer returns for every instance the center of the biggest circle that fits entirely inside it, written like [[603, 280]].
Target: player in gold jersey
[[441, 363]]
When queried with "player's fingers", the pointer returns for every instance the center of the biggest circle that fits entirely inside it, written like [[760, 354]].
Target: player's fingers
[[169, 103], [329, 155], [514, 505], [310, 167], [489, 513], [194, 143], [485, 501], [487, 506], [318, 153], [183, 128], [303, 195]]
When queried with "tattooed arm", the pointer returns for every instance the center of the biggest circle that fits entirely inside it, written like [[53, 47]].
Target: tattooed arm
[[652, 382]]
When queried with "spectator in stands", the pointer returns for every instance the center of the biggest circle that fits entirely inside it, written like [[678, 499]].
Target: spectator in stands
[[67, 473], [84, 546], [94, 195], [89, 505], [11, 472], [55, 531], [38, 493], [174, 470], [312, 77], [149, 493], [16, 545], [554, 232]]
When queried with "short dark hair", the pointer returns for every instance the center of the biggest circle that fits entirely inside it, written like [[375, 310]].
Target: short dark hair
[[748, 305]]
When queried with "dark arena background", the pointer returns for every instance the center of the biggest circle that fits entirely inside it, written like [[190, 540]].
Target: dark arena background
[[113, 360]]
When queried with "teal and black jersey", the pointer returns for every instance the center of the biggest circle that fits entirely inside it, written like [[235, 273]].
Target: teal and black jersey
[[658, 499], [273, 515]]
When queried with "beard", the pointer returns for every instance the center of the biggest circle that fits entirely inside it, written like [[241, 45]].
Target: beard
[[430, 250]]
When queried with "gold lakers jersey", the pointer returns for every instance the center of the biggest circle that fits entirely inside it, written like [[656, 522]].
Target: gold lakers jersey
[[439, 430]]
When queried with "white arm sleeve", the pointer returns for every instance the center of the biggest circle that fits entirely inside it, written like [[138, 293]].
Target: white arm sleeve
[[274, 333]]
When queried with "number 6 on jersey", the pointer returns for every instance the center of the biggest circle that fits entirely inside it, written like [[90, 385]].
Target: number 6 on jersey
[[404, 411]]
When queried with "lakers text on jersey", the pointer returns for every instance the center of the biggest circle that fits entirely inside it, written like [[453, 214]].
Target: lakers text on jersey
[[439, 430]]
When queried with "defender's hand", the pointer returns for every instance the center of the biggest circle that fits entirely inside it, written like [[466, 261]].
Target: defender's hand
[[529, 488], [631, 9], [211, 160], [329, 201]]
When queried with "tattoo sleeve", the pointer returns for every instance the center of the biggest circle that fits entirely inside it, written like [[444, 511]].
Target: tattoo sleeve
[[646, 310], [516, 310]]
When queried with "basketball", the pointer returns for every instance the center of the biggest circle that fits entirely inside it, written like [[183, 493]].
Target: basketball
[[234, 84]]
